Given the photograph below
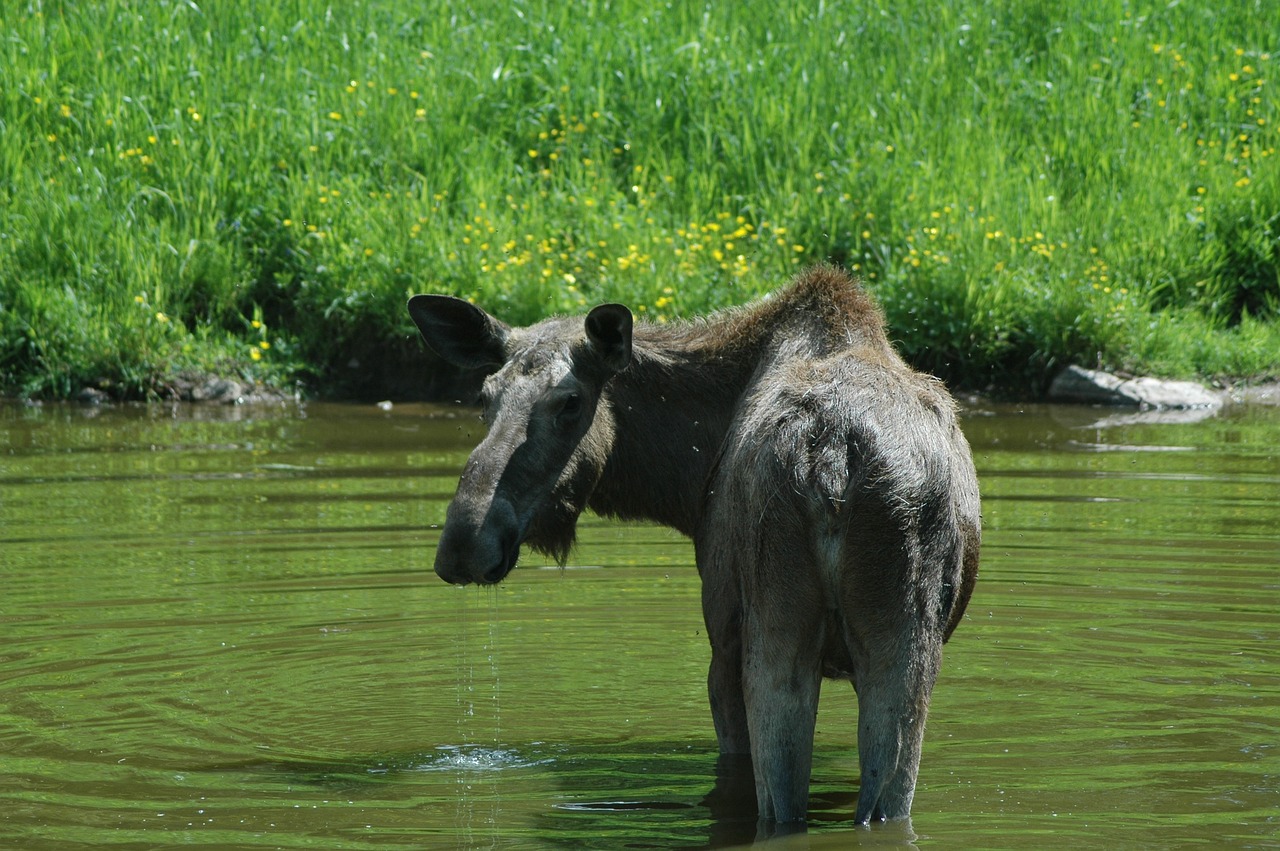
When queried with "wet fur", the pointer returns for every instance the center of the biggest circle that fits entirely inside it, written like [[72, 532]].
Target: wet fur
[[827, 488]]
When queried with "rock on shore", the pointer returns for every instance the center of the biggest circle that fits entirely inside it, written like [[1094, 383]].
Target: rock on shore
[[1091, 386]]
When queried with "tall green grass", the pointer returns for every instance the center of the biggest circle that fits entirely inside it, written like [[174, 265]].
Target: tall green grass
[[1022, 185]]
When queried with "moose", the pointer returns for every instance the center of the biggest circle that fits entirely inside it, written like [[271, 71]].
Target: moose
[[827, 487]]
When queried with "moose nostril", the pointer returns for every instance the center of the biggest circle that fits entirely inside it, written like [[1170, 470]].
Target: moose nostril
[[504, 541], [496, 573]]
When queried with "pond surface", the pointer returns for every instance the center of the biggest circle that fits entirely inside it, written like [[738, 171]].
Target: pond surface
[[221, 629]]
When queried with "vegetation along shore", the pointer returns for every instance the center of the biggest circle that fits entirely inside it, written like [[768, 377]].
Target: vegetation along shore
[[253, 190]]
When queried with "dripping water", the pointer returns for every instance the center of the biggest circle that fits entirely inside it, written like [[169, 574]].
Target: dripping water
[[479, 712]]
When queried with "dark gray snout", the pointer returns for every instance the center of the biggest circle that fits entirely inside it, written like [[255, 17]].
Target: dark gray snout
[[482, 552]]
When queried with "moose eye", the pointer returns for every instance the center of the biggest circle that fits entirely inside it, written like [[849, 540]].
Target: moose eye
[[570, 408]]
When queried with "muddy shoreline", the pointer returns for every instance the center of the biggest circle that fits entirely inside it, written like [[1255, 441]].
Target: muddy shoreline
[[223, 390]]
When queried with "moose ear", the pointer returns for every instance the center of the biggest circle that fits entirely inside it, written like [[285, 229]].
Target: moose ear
[[609, 332], [459, 332]]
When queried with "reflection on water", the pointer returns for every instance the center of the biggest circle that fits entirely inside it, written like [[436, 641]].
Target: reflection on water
[[222, 630]]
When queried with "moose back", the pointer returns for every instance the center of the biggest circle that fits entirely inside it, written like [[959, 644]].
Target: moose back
[[828, 490]]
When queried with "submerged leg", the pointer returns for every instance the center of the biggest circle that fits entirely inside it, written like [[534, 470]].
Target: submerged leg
[[893, 700], [890, 603], [781, 677], [721, 612]]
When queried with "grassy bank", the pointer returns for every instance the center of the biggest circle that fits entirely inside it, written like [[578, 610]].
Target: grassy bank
[[256, 188]]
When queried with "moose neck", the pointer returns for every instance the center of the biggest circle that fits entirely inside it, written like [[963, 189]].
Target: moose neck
[[674, 404], [671, 415]]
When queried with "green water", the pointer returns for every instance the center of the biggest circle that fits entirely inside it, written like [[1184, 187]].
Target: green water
[[220, 629]]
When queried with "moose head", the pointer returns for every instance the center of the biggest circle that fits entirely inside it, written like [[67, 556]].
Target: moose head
[[548, 431]]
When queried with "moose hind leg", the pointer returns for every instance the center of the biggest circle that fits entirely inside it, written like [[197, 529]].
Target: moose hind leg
[[893, 700], [781, 679]]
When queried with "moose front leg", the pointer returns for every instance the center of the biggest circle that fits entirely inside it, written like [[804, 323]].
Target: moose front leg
[[722, 613]]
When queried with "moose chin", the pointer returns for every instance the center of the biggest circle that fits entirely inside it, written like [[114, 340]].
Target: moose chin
[[829, 493]]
